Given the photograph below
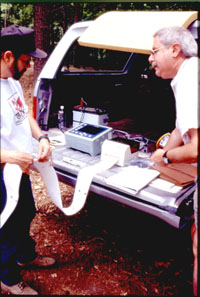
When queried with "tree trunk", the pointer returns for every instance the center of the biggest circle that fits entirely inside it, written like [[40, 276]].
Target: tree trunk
[[77, 12], [42, 34]]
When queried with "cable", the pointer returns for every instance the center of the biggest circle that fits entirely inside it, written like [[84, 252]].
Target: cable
[[122, 132], [82, 115], [82, 109]]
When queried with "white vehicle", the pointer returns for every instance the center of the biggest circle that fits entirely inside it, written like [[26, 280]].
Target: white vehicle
[[99, 72]]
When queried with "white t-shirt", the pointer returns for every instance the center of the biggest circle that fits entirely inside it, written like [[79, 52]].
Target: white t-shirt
[[15, 127], [185, 88]]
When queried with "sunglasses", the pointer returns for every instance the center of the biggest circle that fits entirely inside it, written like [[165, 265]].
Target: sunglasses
[[26, 62]]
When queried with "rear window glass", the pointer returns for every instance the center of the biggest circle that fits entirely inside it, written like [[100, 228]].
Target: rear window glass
[[87, 59]]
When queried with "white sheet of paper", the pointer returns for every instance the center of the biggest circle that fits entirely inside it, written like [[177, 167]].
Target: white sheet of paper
[[83, 182], [12, 176], [133, 177]]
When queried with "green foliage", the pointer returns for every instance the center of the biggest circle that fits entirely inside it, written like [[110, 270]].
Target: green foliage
[[60, 15], [17, 14]]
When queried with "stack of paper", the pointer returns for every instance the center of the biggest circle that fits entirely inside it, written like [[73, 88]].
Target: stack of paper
[[132, 178]]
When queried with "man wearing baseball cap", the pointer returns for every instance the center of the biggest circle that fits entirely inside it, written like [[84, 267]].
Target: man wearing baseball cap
[[17, 248]]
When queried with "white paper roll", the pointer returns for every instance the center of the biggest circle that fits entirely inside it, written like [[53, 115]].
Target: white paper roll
[[83, 183], [12, 176]]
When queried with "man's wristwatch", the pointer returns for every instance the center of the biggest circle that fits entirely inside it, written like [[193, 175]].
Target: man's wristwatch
[[165, 159], [44, 137]]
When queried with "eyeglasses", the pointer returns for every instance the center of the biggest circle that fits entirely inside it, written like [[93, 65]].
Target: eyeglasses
[[26, 62], [153, 51]]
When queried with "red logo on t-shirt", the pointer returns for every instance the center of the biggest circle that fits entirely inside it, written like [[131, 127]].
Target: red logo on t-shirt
[[18, 108], [18, 105]]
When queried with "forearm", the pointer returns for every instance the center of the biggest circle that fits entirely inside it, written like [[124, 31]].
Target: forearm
[[174, 141], [44, 150], [6, 156], [22, 159], [177, 151], [187, 153]]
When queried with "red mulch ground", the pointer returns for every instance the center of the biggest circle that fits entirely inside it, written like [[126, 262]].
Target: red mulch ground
[[106, 249]]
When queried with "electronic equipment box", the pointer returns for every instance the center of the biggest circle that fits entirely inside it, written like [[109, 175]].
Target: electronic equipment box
[[88, 138]]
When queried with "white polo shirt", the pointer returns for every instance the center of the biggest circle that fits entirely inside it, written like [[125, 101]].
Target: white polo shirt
[[15, 128], [185, 88]]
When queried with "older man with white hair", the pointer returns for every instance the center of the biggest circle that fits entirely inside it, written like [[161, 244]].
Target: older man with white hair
[[174, 56]]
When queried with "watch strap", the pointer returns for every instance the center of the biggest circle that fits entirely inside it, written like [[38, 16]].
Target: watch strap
[[165, 158], [43, 137]]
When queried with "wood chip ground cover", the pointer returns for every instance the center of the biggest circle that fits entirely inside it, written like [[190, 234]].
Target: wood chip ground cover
[[106, 249]]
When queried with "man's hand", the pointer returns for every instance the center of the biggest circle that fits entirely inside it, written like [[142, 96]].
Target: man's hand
[[157, 157], [22, 159], [44, 151]]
